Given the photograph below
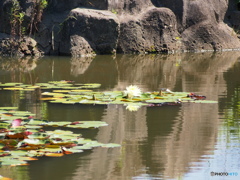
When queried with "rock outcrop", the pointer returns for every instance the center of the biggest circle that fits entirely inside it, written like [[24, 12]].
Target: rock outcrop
[[18, 47], [153, 31], [88, 31], [88, 27], [201, 24]]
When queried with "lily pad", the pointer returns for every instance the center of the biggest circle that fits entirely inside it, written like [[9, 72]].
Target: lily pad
[[91, 86], [10, 84], [12, 162], [110, 145], [205, 101], [54, 154], [13, 88], [58, 123], [9, 108]]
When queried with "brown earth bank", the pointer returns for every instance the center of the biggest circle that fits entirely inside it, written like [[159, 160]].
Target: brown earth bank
[[89, 27]]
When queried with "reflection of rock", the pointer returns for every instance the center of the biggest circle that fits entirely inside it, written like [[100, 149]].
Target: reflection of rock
[[151, 143], [24, 64], [152, 71], [156, 145], [126, 128], [196, 132], [193, 136], [80, 65], [212, 64]]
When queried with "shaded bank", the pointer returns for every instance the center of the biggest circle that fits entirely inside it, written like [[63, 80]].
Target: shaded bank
[[88, 27]]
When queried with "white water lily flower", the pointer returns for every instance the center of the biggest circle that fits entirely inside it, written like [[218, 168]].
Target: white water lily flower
[[132, 91], [31, 141], [132, 107]]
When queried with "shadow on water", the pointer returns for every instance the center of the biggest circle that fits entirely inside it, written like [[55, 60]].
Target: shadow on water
[[157, 142]]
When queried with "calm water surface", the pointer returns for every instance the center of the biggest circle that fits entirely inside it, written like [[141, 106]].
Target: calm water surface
[[182, 142]]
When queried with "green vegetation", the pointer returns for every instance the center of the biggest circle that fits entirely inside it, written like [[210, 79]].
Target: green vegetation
[[152, 49], [232, 115], [16, 19], [114, 11], [36, 15]]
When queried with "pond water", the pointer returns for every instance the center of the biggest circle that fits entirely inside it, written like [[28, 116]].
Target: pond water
[[190, 141]]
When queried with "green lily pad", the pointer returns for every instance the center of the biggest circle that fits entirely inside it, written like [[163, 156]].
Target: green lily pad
[[61, 91], [52, 150], [58, 123], [38, 135], [28, 89], [9, 108], [110, 145], [37, 122], [19, 153], [12, 162], [159, 101], [91, 86], [87, 124], [59, 131], [75, 150], [13, 88], [10, 84], [33, 127], [83, 141], [83, 147], [69, 102], [205, 101]]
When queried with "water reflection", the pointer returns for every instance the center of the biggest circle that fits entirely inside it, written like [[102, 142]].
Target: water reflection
[[80, 65], [17, 69], [157, 142]]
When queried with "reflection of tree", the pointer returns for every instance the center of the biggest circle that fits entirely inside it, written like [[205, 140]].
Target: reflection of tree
[[229, 107]]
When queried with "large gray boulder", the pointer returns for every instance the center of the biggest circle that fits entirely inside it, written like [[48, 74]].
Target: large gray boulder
[[153, 31], [201, 24], [89, 31]]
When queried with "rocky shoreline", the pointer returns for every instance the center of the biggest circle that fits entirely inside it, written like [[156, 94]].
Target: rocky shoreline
[[90, 27]]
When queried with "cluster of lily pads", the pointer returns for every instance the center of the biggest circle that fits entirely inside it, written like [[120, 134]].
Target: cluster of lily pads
[[69, 92], [51, 85], [23, 138]]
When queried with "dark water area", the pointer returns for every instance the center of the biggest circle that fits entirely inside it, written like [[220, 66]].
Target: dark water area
[[191, 141]]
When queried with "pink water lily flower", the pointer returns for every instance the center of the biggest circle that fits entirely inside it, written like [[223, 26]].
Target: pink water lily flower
[[16, 122]]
